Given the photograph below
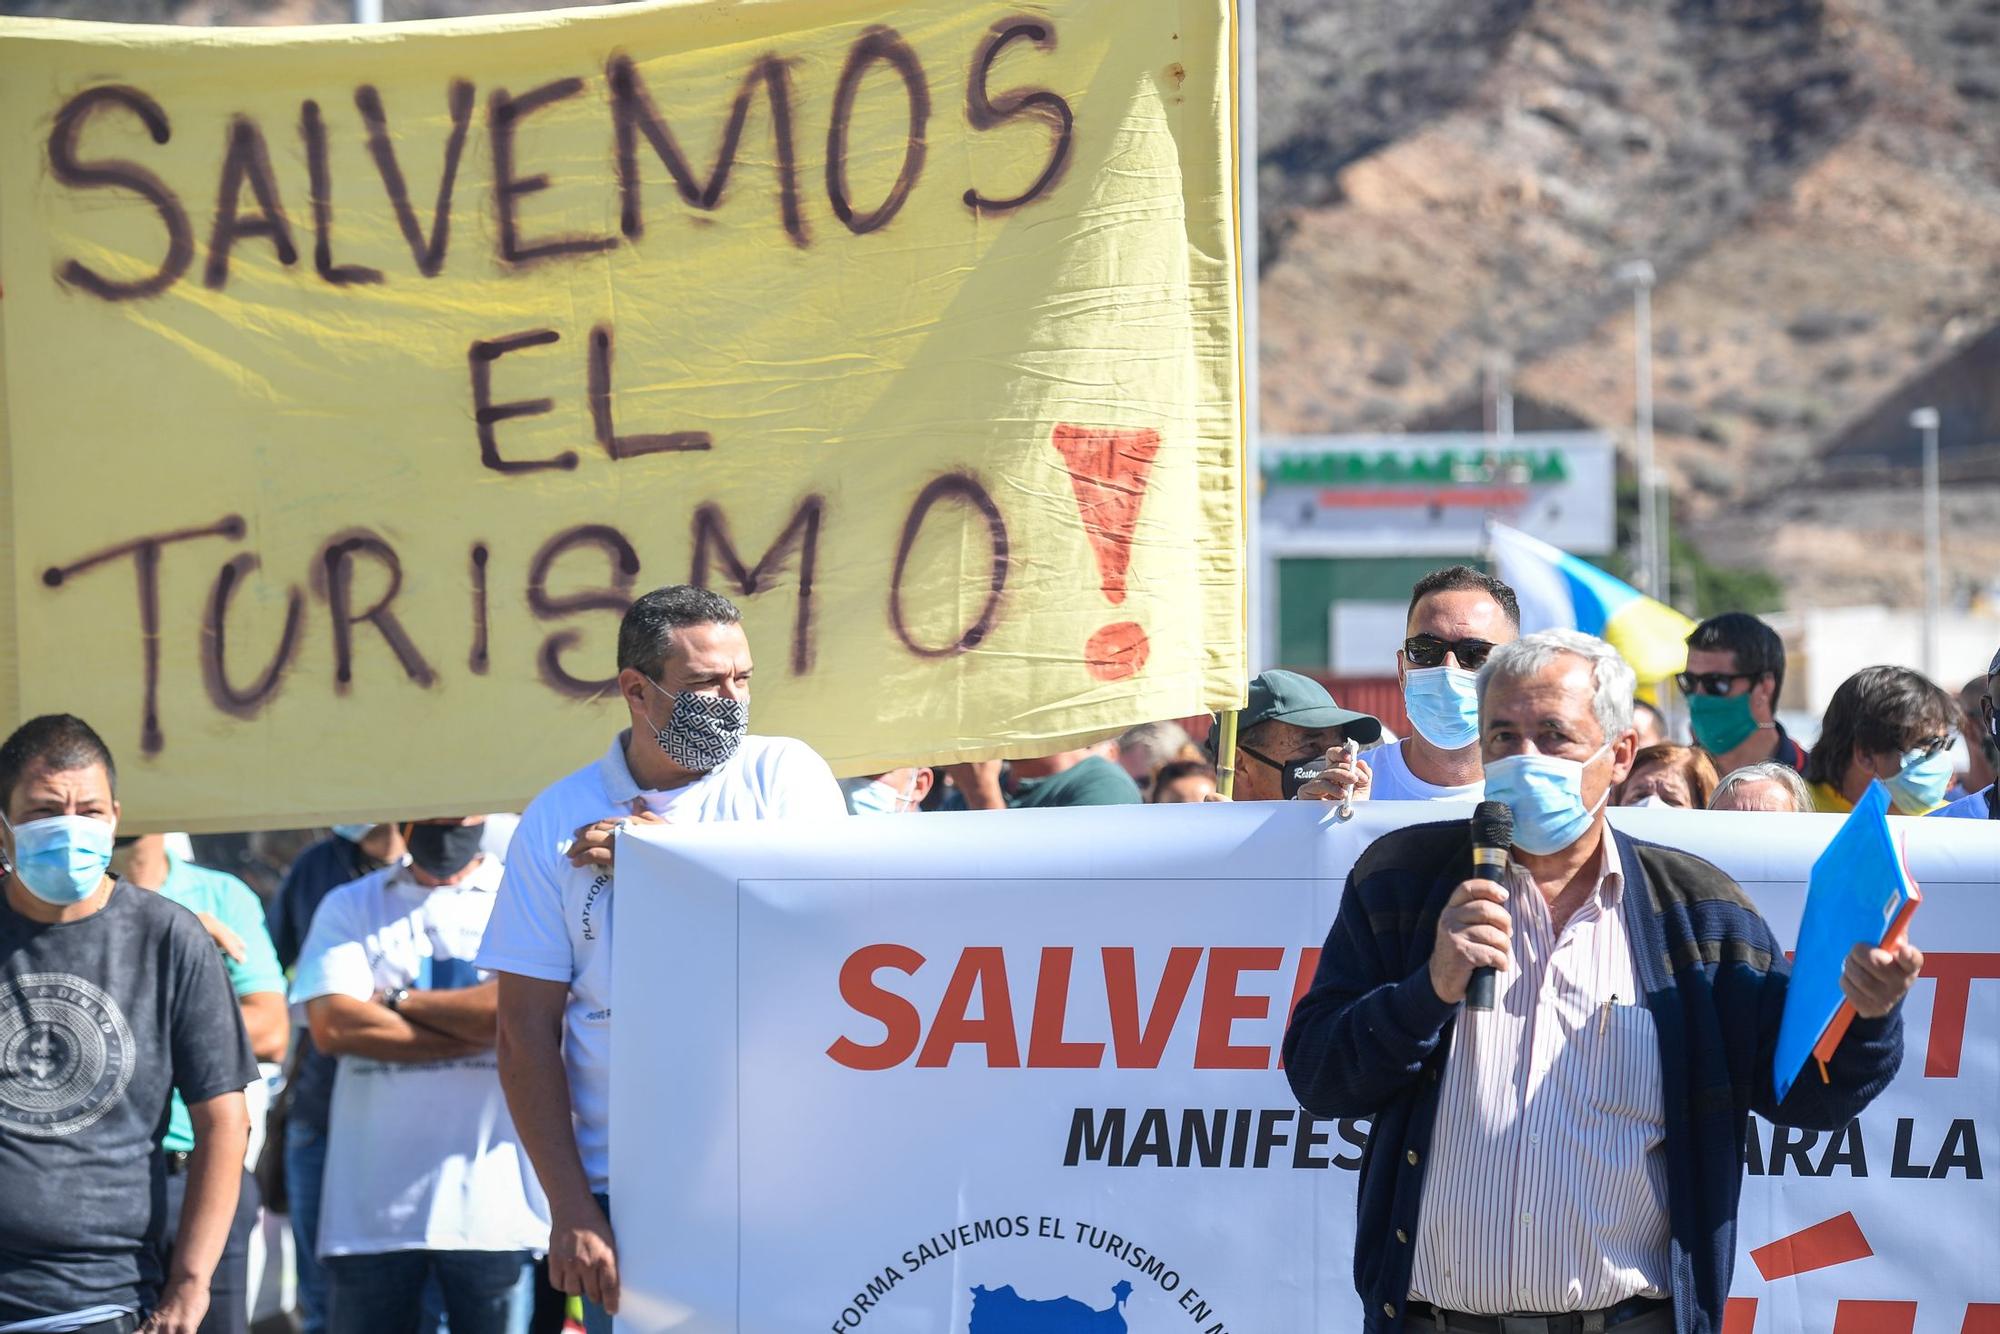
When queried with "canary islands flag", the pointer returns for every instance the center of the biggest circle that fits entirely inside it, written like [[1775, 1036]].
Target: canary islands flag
[[1559, 591]]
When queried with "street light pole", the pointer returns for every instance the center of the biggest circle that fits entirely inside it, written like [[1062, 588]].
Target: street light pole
[[1638, 275], [367, 11], [1500, 389], [1926, 421]]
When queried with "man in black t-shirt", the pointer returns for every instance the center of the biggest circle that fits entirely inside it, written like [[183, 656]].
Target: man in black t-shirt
[[111, 999]]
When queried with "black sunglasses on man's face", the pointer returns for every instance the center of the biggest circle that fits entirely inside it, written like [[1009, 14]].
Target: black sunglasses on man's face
[[1712, 683], [1429, 651]]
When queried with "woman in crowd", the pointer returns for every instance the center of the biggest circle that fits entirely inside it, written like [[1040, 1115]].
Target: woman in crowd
[[1668, 775], [1889, 724], [1182, 781]]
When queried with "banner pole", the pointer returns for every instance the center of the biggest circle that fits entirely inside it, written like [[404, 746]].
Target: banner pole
[[1260, 622], [1225, 756]]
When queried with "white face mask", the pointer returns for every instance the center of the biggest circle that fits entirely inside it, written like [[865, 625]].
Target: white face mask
[[1654, 799]]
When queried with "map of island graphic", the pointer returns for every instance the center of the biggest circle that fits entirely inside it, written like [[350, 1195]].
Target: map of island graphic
[[1004, 1311]]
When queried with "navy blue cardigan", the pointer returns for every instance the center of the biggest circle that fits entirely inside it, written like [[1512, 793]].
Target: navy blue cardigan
[[1371, 1037]]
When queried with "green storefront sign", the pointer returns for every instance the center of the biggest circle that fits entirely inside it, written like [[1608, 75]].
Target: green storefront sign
[[1436, 468]]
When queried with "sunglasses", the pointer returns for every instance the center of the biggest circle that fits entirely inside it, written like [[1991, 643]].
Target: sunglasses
[[1711, 683], [1429, 651], [1925, 749]]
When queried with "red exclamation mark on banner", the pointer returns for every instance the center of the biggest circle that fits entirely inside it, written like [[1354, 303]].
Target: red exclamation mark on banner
[[1108, 469]]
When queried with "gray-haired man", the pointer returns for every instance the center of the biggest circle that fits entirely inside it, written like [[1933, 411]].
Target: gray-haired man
[[1770, 787], [1636, 1011]]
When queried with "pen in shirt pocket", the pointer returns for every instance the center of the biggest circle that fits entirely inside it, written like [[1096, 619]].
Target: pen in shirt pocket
[[1604, 1013]]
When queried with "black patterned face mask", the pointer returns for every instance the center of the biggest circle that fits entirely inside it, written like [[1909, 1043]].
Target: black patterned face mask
[[702, 731]]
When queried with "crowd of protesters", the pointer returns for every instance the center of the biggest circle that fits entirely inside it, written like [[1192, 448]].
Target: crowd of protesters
[[441, 1144]]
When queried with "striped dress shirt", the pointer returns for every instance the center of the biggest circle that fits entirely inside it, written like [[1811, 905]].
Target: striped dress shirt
[[1546, 1189]]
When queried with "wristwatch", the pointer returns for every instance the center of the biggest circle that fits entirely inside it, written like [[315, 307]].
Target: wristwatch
[[394, 999]]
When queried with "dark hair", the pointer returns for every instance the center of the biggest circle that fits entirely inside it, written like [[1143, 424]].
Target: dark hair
[[1973, 726], [934, 799], [1457, 578], [1175, 770], [1756, 646], [57, 742], [1876, 709], [647, 632]]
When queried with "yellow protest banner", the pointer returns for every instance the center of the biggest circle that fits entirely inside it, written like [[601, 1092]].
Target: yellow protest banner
[[353, 380]]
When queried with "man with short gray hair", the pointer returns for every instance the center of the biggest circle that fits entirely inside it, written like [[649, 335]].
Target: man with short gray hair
[[1635, 1015], [684, 670], [1771, 787], [1143, 749]]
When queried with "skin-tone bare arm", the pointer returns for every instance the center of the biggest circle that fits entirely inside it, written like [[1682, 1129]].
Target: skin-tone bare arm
[[214, 1175], [979, 781], [268, 1023], [344, 1026], [583, 1260], [465, 1013]]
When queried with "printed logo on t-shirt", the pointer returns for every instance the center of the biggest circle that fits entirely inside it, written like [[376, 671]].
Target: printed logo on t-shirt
[[66, 1054], [590, 897]]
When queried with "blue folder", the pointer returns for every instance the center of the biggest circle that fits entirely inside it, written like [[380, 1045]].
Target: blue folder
[[1858, 890]]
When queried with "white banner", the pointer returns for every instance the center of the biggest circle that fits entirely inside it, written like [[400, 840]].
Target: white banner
[[929, 1074]]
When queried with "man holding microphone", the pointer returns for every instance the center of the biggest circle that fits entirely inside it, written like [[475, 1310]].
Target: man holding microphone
[[1570, 1159]]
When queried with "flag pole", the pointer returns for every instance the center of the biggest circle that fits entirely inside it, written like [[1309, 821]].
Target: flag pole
[[1257, 631], [1225, 756]]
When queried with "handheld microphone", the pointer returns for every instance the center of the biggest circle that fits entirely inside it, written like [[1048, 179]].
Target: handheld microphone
[[1492, 839]]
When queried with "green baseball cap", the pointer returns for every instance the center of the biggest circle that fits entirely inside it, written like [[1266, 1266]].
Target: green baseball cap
[[1288, 697]]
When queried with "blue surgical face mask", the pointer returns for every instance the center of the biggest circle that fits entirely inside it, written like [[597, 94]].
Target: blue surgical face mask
[[1920, 784], [872, 796], [353, 833], [62, 859], [1444, 705], [1545, 792]]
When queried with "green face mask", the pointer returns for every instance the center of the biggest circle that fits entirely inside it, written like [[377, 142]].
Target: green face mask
[[1721, 723]]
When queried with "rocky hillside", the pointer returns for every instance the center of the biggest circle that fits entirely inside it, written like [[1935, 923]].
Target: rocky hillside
[[1452, 183], [1448, 185]]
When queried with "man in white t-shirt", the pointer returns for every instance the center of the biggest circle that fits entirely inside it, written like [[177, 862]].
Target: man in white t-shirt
[[1457, 616], [426, 1179], [684, 674]]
